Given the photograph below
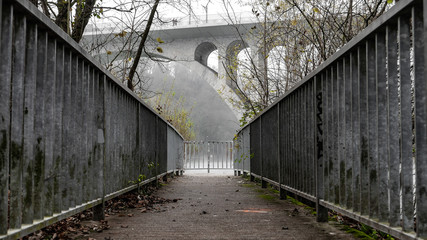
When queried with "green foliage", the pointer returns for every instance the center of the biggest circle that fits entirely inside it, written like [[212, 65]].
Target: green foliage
[[357, 233], [249, 113], [243, 157], [172, 109], [140, 179], [267, 197], [151, 165], [294, 201], [359, 230], [248, 185], [293, 38]]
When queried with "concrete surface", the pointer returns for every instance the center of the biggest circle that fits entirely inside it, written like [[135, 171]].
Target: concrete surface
[[219, 207]]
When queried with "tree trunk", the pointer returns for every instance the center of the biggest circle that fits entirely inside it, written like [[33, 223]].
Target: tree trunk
[[45, 7], [141, 46], [62, 17], [83, 14]]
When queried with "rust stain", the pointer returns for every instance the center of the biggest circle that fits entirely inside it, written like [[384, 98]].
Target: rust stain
[[254, 210]]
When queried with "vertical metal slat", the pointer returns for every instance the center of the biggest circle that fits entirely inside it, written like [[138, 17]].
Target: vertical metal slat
[[372, 128], [39, 158], [29, 112], [348, 132], [406, 123], [364, 135], [382, 141], [355, 130], [49, 134], [393, 125], [5, 74], [420, 68], [17, 122], [59, 180], [341, 130]]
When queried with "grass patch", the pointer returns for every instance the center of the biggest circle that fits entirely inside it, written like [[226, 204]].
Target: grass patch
[[267, 197], [248, 185], [275, 191], [357, 233], [257, 180], [358, 229], [296, 202], [248, 177]]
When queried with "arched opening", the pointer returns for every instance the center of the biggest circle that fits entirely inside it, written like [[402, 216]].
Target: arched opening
[[203, 53], [232, 61], [244, 70], [212, 61]]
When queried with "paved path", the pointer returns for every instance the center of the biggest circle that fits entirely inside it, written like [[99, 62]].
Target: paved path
[[219, 207]]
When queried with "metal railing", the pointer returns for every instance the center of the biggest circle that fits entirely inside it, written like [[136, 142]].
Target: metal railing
[[351, 136], [71, 136], [208, 155]]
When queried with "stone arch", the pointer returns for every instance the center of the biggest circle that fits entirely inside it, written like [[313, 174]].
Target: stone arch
[[203, 51], [232, 51]]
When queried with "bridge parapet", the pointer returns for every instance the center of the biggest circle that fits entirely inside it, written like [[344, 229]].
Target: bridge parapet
[[175, 23], [71, 135], [351, 136]]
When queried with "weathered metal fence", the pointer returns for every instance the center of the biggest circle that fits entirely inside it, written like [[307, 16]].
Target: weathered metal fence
[[71, 136], [352, 135], [208, 155]]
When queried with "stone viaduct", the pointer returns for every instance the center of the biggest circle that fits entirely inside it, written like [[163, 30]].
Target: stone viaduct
[[191, 45]]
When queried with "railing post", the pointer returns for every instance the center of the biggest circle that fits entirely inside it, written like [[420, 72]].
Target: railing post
[[322, 212]]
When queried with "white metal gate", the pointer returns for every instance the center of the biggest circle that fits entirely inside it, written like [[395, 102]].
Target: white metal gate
[[208, 155]]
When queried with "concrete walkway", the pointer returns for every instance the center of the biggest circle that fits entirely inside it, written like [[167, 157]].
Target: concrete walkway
[[219, 207]]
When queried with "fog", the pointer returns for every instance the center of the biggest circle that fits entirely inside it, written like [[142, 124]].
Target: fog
[[213, 119]]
